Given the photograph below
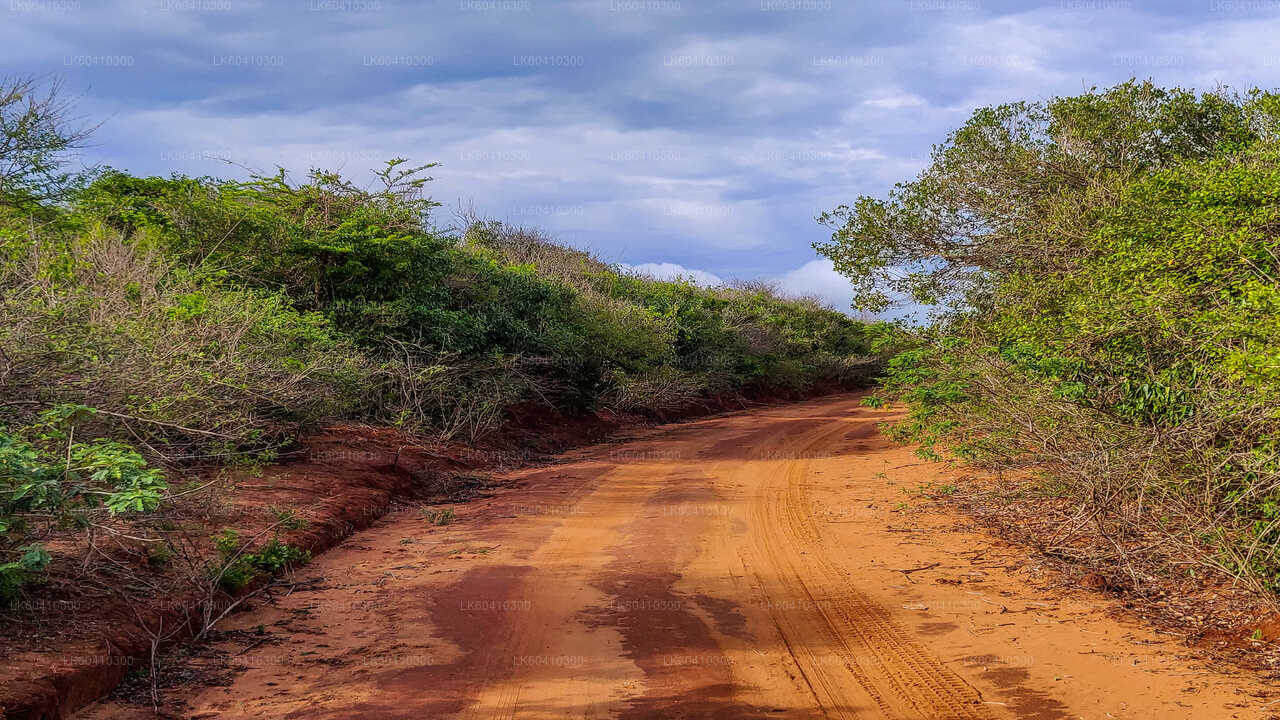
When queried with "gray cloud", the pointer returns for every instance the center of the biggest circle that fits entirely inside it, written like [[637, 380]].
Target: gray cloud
[[702, 134]]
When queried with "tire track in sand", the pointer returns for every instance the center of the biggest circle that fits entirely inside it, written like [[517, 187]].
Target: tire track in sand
[[849, 651]]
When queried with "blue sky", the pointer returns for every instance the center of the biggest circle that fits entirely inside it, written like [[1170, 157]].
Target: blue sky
[[672, 135]]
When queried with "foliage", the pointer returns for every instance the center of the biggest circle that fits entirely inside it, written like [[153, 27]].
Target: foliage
[[397, 287], [187, 320], [188, 364], [36, 134], [17, 573], [1109, 266], [446, 333], [54, 480], [237, 567]]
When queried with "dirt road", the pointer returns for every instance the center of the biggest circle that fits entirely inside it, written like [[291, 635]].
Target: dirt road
[[779, 563]]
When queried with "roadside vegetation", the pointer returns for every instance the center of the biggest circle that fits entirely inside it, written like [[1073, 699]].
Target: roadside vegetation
[[150, 325], [1104, 270]]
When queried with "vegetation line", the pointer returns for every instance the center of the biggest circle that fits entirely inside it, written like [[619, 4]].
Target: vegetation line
[[150, 325]]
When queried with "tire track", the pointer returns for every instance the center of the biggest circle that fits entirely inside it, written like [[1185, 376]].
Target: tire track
[[696, 572], [889, 669]]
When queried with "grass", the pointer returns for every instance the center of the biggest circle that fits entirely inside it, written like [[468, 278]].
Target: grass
[[440, 517]]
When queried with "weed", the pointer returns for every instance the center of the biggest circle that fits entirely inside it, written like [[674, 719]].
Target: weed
[[439, 517], [287, 518], [238, 567]]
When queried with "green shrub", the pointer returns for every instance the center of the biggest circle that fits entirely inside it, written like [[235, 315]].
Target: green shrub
[[1107, 267], [50, 480], [15, 575], [237, 567], [448, 333]]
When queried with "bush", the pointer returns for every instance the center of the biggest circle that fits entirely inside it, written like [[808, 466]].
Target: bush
[[189, 364], [460, 329], [1108, 267], [237, 567], [50, 480]]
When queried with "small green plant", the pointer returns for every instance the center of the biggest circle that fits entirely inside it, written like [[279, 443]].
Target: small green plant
[[47, 474], [237, 568], [927, 453], [288, 519], [439, 517], [16, 574]]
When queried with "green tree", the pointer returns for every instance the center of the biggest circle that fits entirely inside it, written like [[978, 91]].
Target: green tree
[[37, 134], [1105, 269]]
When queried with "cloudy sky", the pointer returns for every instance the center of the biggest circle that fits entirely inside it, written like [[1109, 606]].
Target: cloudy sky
[[697, 136]]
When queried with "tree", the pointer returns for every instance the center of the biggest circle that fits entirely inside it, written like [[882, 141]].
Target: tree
[[37, 133], [1018, 188], [1108, 270]]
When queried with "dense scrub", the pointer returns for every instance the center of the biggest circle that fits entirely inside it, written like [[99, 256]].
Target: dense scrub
[[150, 323], [1106, 267]]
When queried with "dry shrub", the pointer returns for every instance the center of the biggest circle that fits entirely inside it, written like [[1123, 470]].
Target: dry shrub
[[178, 363]]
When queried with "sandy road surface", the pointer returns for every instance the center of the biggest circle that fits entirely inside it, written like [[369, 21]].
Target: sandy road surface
[[745, 566]]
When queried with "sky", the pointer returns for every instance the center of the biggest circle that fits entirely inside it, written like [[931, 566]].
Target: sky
[[672, 136]]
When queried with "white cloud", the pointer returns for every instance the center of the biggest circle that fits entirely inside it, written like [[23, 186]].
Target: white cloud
[[818, 279], [671, 271], [896, 102], [709, 135]]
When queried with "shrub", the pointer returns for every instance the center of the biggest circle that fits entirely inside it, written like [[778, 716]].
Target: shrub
[[187, 363], [237, 567], [1108, 270], [49, 479]]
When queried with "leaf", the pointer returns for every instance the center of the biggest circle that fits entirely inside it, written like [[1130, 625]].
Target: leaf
[[35, 557]]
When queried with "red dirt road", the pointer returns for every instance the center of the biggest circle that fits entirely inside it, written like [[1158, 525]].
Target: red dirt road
[[765, 564]]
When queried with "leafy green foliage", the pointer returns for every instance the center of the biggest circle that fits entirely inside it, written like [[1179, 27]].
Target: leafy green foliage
[[54, 480], [237, 567], [355, 306], [1108, 270], [15, 574], [59, 473]]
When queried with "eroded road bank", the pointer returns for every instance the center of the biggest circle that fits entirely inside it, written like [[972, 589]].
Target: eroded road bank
[[766, 564]]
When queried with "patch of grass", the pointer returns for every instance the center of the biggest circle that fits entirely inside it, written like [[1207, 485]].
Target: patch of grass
[[287, 518], [439, 517], [238, 567]]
